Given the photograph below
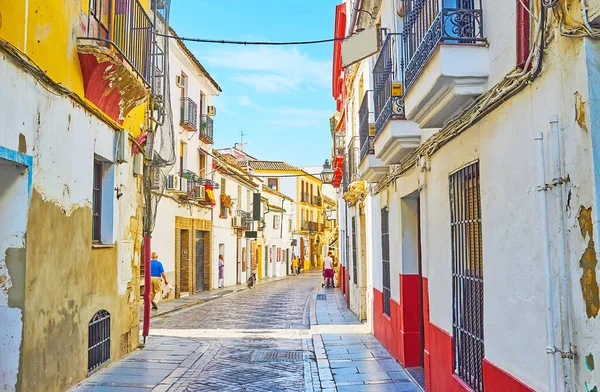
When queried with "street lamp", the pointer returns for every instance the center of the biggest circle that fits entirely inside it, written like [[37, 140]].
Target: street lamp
[[327, 174], [329, 211]]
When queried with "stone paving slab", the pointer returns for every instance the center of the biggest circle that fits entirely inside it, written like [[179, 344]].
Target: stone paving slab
[[172, 305], [241, 342], [356, 361]]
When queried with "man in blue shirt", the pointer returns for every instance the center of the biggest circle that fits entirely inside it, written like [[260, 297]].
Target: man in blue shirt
[[157, 274]]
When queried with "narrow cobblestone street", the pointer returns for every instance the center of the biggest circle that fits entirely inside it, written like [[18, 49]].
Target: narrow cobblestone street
[[288, 335]]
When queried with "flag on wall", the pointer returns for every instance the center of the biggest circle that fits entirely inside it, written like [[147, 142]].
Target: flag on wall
[[210, 194]]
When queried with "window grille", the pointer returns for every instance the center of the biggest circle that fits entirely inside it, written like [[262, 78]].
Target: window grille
[[467, 275], [98, 340], [354, 259], [385, 259]]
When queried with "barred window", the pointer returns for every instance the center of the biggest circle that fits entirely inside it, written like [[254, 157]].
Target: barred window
[[385, 259], [354, 258], [467, 275]]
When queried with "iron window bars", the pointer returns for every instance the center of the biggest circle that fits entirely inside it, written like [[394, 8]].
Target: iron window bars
[[354, 253], [206, 128], [467, 275], [189, 114], [426, 26], [385, 72], [128, 31], [98, 340], [385, 258], [365, 119]]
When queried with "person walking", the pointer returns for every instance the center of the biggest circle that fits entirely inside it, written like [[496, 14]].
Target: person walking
[[328, 270], [221, 271], [295, 265], [157, 275]]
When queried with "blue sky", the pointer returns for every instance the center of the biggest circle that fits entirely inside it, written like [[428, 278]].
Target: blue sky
[[279, 96]]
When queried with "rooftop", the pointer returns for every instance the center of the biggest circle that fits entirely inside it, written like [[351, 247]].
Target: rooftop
[[194, 60], [272, 165]]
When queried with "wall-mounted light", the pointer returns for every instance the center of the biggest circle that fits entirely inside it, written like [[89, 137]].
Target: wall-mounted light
[[119, 192]]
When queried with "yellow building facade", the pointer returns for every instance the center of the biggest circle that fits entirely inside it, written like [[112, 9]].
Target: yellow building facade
[[306, 190], [73, 96]]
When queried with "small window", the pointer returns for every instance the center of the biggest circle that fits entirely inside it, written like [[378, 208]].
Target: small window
[[273, 183], [202, 164], [97, 201], [276, 222], [103, 195], [98, 340], [290, 225]]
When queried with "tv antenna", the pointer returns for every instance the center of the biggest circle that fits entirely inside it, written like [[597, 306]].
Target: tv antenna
[[241, 144]]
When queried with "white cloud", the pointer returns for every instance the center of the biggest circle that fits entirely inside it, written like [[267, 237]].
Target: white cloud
[[272, 69], [245, 100], [267, 83]]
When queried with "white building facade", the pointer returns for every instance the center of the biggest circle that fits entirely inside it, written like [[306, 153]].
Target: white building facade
[[479, 191], [183, 234]]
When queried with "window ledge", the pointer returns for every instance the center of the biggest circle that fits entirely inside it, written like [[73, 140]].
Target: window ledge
[[102, 246], [223, 217]]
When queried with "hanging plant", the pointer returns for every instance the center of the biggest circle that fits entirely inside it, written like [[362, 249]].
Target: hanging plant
[[226, 201]]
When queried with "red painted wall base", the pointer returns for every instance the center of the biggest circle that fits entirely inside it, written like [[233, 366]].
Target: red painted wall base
[[400, 333], [497, 380], [439, 362]]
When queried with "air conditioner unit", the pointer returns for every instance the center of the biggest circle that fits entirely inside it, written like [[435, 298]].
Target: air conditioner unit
[[212, 111], [199, 192], [237, 222], [179, 81], [184, 187], [172, 182]]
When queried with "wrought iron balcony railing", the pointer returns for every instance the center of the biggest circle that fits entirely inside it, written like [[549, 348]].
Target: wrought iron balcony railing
[[206, 129], [353, 159], [365, 119], [128, 32], [426, 25], [311, 226], [305, 197], [388, 102], [316, 200], [189, 114], [246, 218]]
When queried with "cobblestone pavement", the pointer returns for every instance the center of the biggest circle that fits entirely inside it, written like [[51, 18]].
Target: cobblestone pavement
[[266, 339]]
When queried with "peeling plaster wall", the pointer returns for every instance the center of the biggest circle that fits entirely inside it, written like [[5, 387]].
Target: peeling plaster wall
[[66, 280], [14, 200]]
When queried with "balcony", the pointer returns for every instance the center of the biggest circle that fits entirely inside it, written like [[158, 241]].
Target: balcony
[[366, 128], [317, 200], [246, 218], [206, 129], [305, 197], [352, 168], [395, 137], [114, 54], [370, 168], [311, 226], [189, 114], [446, 57]]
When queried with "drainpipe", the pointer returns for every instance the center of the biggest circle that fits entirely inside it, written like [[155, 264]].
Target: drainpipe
[[550, 345], [558, 182]]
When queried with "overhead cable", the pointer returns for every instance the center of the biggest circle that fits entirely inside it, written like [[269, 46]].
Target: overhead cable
[[264, 43]]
